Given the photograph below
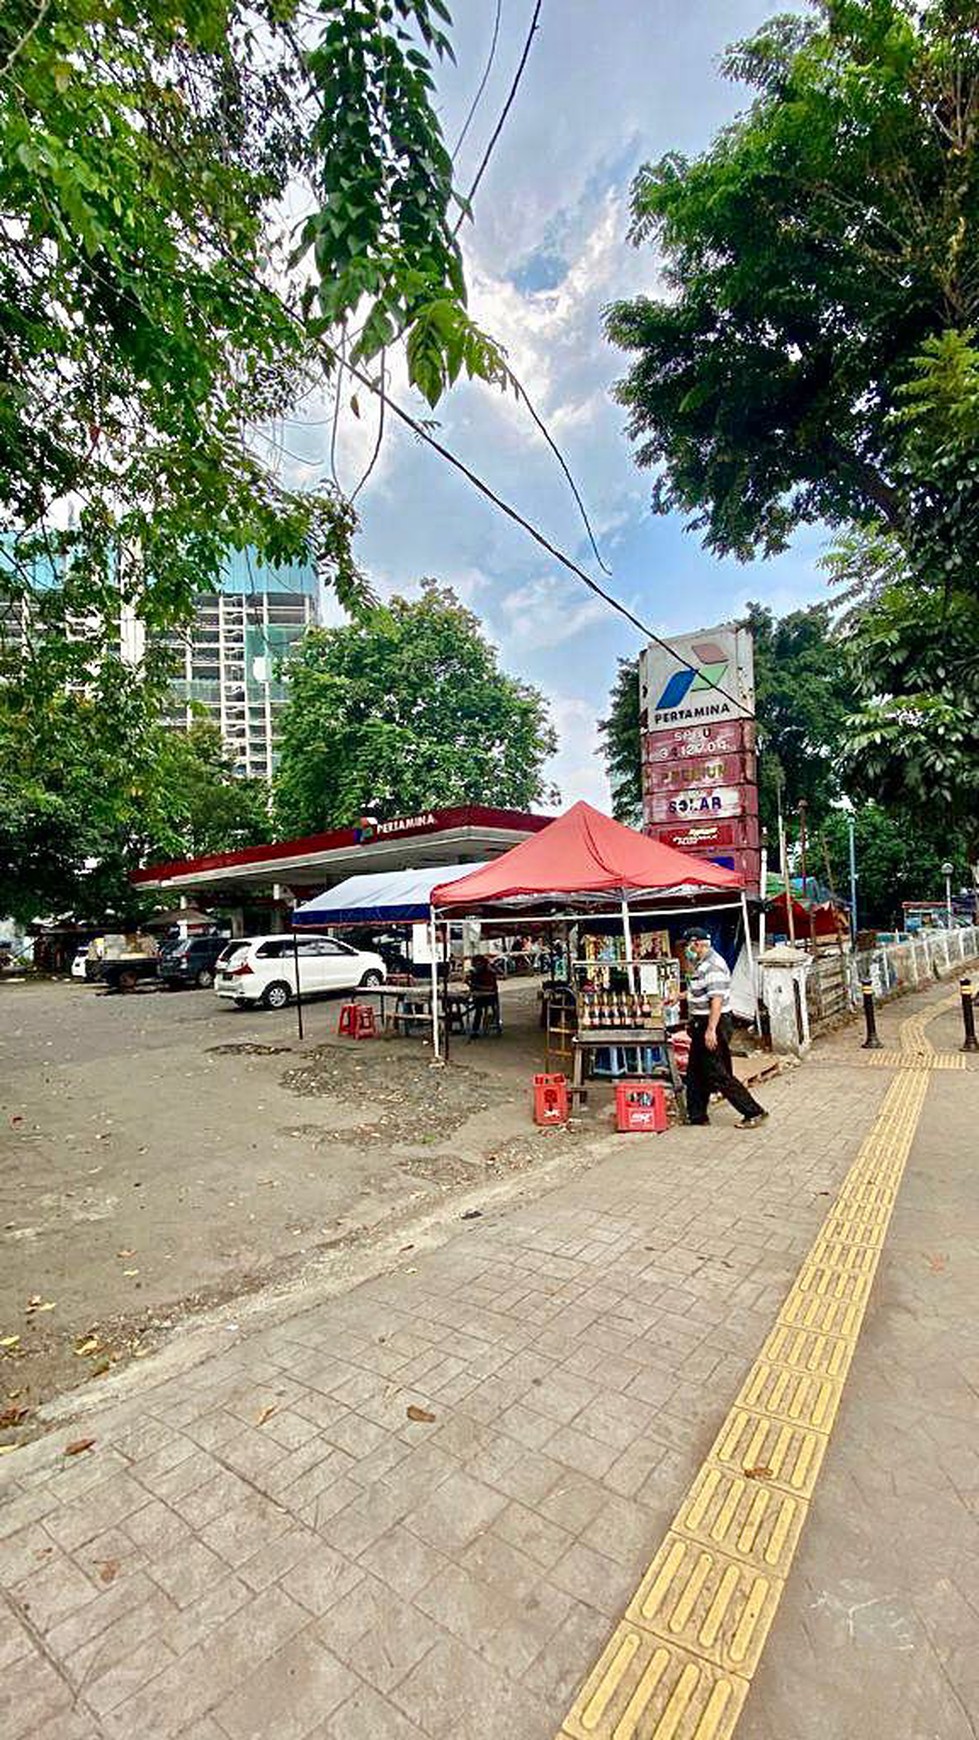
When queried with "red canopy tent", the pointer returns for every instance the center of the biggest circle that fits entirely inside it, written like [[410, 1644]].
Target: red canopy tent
[[582, 862], [582, 853]]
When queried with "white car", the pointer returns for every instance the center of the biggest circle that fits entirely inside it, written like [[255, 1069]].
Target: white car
[[262, 969]]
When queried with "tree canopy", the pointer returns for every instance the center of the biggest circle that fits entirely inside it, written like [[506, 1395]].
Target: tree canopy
[[811, 254], [406, 710], [93, 786], [169, 172]]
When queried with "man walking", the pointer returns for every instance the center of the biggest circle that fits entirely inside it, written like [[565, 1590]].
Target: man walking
[[709, 1068]]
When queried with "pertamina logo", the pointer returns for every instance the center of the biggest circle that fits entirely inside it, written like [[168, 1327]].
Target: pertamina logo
[[711, 667]]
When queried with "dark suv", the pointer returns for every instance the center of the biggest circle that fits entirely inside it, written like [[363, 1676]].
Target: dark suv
[[191, 962]]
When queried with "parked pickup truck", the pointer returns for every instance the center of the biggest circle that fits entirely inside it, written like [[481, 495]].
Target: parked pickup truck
[[123, 966]]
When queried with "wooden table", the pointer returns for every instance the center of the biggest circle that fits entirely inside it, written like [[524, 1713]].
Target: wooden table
[[593, 1039], [413, 1007]]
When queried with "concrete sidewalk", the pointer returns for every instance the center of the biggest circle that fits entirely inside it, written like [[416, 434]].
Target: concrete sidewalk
[[418, 1509]]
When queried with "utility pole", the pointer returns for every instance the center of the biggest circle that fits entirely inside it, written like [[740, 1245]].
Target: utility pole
[[853, 875], [948, 871]]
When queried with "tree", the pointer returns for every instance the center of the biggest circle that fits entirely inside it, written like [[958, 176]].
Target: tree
[[148, 156], [801, 705], [92, 786], [405, 711], [621, 736], [813, 254], [899, 857], [192, 802], [802, 696]]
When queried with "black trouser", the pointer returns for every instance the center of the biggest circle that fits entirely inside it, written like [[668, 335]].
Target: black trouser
[[710, 1072], [486, 1008]]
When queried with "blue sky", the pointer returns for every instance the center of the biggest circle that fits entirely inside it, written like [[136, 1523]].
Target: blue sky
[[609, 84]]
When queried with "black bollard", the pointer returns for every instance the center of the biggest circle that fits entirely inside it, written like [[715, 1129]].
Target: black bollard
[[968, 1016], [871, 1043]]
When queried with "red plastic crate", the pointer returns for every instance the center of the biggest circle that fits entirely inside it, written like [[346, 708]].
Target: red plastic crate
[[550, 1099], [640, 1106]]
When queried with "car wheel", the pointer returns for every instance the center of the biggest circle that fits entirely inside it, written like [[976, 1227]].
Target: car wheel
[[205, 979], [242, 1002], [371, 980], [127, 981], [276, 996]]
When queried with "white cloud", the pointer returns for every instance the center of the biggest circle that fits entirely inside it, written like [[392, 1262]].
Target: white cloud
[[546, 611], [577, 769]]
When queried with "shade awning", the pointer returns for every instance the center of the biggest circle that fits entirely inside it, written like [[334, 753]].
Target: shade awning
[[387, 897], [583, 857]]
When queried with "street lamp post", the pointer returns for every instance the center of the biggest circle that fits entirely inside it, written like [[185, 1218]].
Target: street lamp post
[[948, 871], [853, 877]]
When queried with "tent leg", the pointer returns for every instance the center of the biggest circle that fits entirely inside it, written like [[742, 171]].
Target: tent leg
[[752, 977], [627, 933], [434, 949], [299, 993]]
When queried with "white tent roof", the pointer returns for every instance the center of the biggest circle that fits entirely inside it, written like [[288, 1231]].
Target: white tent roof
[[387, 897]]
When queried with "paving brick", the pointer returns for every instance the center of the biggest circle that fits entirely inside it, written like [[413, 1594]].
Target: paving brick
[[237, 1534], [592, 1577], [189, 1687], [320, 1578], [15, 1641], [402, 1561], [574, 1449], [375, 1632], [458, 1511], [31, 1696], [525, 1528], [289, 1695], [363, 1521], [53, 1592], [190, 1627], [187, 1572], [156, 1528], [452, 1692], [368, 1716]]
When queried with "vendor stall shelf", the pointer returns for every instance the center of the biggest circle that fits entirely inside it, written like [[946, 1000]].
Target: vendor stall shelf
[[561, 1020]]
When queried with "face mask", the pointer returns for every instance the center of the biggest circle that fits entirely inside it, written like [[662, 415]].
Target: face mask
[[692, 955]]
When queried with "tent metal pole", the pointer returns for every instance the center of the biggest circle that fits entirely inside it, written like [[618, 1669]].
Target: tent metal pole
[[627, 933], [433, 950], [299, 993], [752, 980]]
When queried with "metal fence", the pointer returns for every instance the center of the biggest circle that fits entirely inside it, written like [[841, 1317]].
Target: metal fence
[[907, 966]]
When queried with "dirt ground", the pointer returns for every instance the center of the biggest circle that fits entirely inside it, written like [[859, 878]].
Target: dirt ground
[[161, 1153]]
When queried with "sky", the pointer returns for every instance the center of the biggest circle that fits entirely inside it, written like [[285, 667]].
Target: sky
[[609, 85]]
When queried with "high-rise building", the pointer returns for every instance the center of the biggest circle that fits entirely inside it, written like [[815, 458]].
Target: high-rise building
[[229, 660], [227, 663]]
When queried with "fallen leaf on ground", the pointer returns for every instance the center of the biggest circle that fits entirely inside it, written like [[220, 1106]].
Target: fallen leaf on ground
[[472, 1214], [405, 1248], [86, 1347], [103, 1366], [108, 1570], [130, 1271], [77, 1445], [35, 1309], [125, 1253], [760, 1472], [9, 1340], [7, 1449], [266, 1414], [420, 1414], [12, 1416], [937, 1264], [17, 1119]]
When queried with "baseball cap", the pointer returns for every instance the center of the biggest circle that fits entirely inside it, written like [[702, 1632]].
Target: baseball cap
[[696, 933]]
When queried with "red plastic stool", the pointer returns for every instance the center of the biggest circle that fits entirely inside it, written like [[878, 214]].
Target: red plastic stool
[[640, 1106], [550, 1099], [358, 1021]]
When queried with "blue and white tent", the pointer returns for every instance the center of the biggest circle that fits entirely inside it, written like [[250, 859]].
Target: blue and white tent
[[387, 897]]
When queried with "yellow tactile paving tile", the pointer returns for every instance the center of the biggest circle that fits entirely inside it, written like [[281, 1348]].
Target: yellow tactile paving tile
[[767, 1448], [747, 1519], [805, 1350], [839, 1317], [695, 1596], [644, 1689], [679, 1666], [800, 1397]]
